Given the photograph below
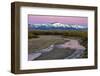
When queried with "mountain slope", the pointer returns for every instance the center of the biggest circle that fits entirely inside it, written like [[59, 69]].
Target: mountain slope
[[56, 26]]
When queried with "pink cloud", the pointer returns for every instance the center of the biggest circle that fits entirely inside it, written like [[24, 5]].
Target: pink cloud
[[32, 19]]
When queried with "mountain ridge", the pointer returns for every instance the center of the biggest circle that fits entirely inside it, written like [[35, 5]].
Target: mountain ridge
[[57, 26]]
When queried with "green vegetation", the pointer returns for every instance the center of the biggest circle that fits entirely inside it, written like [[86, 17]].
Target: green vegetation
[[84, 43], [35, 33], [85, 54], [32, 35]]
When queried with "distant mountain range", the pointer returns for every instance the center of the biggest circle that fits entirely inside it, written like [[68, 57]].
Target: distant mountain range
[[56, 26]]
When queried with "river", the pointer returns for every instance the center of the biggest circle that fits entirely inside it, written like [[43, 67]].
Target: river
[[68, 50]]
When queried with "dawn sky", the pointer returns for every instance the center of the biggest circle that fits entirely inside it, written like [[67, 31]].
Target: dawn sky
[[42, 19]]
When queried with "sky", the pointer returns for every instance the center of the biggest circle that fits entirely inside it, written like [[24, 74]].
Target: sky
[[43, 19]]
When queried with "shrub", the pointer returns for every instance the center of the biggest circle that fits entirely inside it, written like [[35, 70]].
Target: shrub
[[30, 35]]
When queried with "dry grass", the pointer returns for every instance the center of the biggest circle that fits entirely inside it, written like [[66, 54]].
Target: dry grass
[[43, 42]]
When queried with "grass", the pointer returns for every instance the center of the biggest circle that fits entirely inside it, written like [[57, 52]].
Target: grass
[[85, 54], [43, 42], [31, 35], [72, 33]]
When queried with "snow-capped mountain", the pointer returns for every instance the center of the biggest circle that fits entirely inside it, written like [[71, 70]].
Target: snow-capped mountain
[[56, 26]]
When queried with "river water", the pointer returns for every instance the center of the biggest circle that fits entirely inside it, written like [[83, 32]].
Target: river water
[[68, 50]]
